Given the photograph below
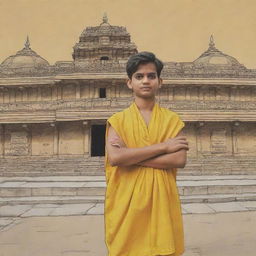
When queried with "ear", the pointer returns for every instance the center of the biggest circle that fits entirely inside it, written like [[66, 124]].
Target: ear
[[160, 82], [129, 83]]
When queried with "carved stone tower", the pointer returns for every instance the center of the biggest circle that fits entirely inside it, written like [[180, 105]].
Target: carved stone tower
[[103, 43]]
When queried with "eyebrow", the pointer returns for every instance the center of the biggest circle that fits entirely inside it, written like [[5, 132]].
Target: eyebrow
[[150, 73]]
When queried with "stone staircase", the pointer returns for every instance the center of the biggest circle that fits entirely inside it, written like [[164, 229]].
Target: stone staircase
[[91, 189], [76, 185], [83, 166]]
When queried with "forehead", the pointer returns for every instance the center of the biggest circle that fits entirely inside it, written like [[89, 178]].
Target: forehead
[[146, 68]]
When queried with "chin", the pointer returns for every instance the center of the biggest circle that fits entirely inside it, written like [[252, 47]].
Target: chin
[[146, 96]]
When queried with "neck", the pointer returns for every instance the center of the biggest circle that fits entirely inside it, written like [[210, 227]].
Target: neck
[[145, 104]]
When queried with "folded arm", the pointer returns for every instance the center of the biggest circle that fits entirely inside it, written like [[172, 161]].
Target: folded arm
[[120, 155], [176, 159], [167, 161], [154, 156]]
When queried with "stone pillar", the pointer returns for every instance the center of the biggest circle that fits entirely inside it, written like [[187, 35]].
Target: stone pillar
[[78, 96], [113, 90], [25, 94], [203, 145], [87, 91], [108, 91], [242, 93], [12, 95], [59, 92], [190, 131], [1, 140], [212, 93], [39, 94], [6, 95], [194, 93], [201, 93], [86, 137], [187, 96], [170, 93], [1, 95], [222, 94], [18, 95], [54, 92], [253, 94], [55, 139], [233, 93], [179, 93], [163, 93], [91, 90]]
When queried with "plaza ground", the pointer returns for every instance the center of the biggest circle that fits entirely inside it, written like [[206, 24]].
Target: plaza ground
[[214, 234]]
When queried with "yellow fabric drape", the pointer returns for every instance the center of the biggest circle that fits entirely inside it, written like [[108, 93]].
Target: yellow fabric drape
[[142, 206]]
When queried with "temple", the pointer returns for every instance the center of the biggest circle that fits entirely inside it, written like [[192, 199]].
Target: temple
[[52, 119]]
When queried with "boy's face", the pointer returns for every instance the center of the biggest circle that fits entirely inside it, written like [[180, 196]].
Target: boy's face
[[144, 81]]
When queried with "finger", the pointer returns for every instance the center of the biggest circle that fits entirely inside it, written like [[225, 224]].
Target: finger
[[180, 137], [115, 145]]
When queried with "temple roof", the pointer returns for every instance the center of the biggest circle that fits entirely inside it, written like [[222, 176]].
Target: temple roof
[[105, 28], [215, 58], [24, 59], [104, 42]]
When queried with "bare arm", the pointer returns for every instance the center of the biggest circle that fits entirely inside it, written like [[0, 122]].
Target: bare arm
[[120, 155], [170, 160], [167, 161], [123, 156]]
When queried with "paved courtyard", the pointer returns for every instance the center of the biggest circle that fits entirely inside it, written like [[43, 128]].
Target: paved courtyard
[[217, 234]]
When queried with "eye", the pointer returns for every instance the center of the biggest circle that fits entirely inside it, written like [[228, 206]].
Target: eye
[[152, 76], [138, 76]]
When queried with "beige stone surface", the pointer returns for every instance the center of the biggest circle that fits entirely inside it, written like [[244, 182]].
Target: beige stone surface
[[223, 234]]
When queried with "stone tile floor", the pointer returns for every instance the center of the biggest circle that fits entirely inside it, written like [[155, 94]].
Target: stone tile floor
[[219, 234]]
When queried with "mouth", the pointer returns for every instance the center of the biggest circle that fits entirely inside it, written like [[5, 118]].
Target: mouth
[[145, 88]]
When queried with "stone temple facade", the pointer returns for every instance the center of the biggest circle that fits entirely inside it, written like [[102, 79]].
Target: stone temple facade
[[52, 119]]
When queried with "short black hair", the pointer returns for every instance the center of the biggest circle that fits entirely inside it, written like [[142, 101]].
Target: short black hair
[[143, 58]]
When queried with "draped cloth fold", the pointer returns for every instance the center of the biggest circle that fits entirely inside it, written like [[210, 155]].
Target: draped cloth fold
[[142, 206]]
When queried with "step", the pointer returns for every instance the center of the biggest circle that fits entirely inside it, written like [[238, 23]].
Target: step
[[30, 210], [102, 178], [31, 200], [96, 185]]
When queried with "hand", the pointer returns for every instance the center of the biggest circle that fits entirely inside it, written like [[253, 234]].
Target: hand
[[175, 144]]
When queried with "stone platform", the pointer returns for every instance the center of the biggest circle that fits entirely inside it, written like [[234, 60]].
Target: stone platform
[[221, 234], [84, 195]]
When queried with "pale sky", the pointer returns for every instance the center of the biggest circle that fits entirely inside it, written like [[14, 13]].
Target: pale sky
[[175, 30]]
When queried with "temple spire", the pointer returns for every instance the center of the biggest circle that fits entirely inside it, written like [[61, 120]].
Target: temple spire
[[27, 43], [211, 44], [105, 18]]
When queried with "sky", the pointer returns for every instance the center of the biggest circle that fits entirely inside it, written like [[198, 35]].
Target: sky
[[175, 30]]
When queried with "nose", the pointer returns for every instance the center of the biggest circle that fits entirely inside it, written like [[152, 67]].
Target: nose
[[145, 79]]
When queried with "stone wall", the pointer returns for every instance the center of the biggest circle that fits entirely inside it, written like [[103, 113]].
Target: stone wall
[[46, 130], [64, 149], [90, 90]]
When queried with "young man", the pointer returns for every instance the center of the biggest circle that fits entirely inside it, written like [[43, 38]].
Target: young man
[[142, 207]]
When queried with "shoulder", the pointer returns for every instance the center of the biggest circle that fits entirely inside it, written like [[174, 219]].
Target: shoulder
[[119, 115], [170, 113], [173, 118], [116, 115], [117, 118]]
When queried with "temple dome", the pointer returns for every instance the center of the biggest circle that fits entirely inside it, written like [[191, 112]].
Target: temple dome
[[104, 43], [24, 59], [214, 58]]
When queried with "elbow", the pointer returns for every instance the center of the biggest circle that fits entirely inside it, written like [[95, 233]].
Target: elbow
[[181, 163], [181, 159], [112, 161]]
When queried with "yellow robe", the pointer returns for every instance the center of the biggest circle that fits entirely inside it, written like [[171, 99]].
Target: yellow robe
[[142, 206]]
